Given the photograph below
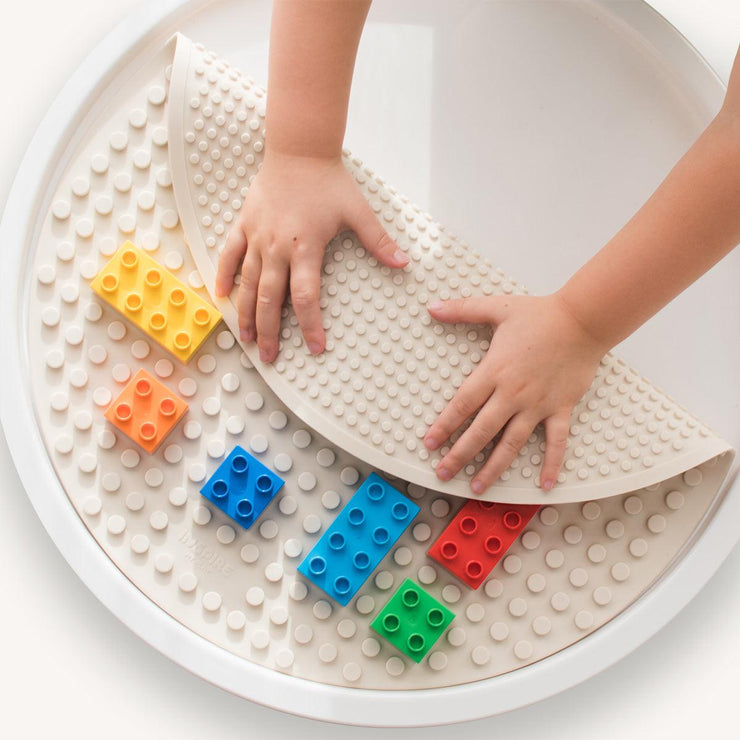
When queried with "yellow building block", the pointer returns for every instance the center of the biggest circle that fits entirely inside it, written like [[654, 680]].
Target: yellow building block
[[153, 299]]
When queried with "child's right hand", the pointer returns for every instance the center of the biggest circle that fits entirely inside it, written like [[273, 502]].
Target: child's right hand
[[294, 207]]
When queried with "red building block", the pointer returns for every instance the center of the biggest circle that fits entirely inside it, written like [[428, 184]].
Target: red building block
[[146, 411], [477, 538]]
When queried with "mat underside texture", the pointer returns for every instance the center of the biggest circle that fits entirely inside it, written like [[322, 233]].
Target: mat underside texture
[[389, 369]]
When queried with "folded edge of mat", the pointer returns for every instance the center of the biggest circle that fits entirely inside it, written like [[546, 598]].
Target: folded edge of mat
[[654, 439]]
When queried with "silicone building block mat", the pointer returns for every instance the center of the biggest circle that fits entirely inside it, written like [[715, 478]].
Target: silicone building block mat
[[576, 566], [389, 369]]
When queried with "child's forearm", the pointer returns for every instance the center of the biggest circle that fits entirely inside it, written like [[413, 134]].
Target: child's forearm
[[312, 53], [689, 223]]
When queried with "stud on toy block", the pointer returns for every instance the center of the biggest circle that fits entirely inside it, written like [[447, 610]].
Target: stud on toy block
[[146, 411], [153, 299], [358, 539], [242, 487], [477, 538], [412, 620]]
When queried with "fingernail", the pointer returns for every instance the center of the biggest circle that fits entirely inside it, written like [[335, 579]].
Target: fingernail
[[265, 355], [477, 486], [547, 485], [443, 473], [431, 443], [434, 306], [400, 256], [314, 348], [244, 335]]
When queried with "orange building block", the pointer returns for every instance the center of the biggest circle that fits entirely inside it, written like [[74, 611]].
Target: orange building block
[[146, 411]]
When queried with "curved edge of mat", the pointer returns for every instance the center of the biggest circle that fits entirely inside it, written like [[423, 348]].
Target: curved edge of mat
[[709, 448]]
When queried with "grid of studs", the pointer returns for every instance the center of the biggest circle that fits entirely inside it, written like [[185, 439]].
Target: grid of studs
[[574, 568], [389, 370]]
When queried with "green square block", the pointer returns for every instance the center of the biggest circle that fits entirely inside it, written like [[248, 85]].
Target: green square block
[[412, 620]]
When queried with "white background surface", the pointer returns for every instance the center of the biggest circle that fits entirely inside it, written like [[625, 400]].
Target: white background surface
[[70, 669]]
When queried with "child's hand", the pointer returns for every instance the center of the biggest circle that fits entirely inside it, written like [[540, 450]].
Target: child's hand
[[294, 207], [541, 361]]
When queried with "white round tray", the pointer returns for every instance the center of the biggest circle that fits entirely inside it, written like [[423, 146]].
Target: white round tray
[[679, 88]]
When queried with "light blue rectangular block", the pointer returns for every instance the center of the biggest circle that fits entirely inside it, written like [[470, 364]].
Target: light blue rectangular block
[[358, 539]]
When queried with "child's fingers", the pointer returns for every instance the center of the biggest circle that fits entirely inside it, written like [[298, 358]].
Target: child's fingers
[[478, 310], [486, 425], [374, 237], [557, 428], [305, 288], [246, 299], [504, 453], [472, 394], [270, 296], [236, 245]]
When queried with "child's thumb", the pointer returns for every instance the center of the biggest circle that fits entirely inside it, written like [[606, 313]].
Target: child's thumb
[[375, 238], [477, 310]]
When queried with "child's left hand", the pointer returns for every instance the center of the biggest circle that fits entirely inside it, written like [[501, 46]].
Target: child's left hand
[[540, 363]]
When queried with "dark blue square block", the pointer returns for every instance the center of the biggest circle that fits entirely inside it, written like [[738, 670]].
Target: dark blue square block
[[358, 539], [242, 487]]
